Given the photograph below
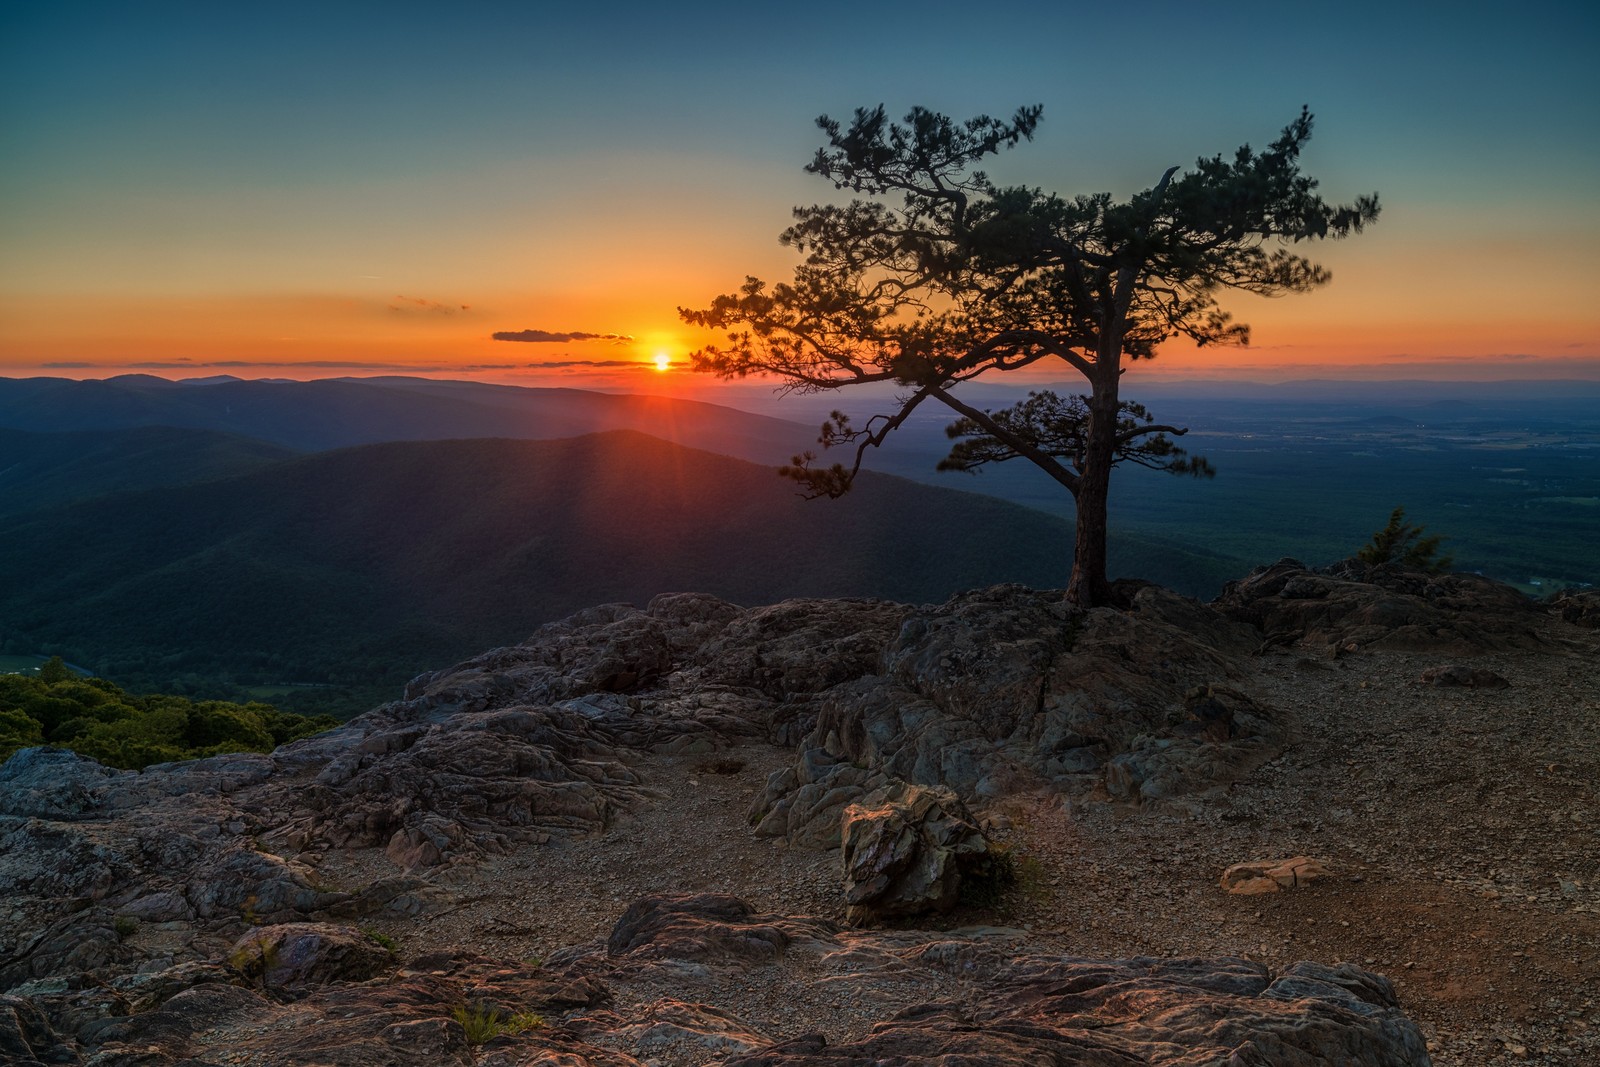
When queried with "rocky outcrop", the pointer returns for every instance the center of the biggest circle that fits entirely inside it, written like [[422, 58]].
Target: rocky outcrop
[[1137, 1012], [709, 926], [1007, 690], [467, 1009], [1581, 607], [155, 917], [1029, 1008], [1351, 604], [1456, 674], [477, 781], [295, 957], [26, 1037], [1272, 876], [998, 691]]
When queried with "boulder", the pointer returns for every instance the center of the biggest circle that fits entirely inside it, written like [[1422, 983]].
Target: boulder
[[295, 957], [1271, 876], [906, 851], [1581, 607]]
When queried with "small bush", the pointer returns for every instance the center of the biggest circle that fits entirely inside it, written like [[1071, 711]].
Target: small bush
[[1402, 543], [986, 887], [125, 926], [96, 718]]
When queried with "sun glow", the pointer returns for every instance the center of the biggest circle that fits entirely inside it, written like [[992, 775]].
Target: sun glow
[[663, 361]]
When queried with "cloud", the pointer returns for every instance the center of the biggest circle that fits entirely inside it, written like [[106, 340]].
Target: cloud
[[554, 337], [325, 364], [416, 304], [588, 363], [68, 366]]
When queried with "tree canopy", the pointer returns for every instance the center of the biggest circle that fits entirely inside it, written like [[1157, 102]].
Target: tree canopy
[[936, 275], [97, 718]]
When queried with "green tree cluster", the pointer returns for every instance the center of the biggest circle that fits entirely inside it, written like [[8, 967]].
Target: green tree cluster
[[97, 718]]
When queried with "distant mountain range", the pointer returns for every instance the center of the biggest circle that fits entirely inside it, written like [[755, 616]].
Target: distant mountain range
[[336, 412]]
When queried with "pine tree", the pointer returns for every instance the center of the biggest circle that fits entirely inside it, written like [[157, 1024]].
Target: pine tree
[[939, 276]]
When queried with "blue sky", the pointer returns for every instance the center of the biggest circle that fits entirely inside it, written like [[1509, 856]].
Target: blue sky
[[187, 179]]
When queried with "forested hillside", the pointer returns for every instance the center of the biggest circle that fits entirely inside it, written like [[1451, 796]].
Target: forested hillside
[[361, 567]]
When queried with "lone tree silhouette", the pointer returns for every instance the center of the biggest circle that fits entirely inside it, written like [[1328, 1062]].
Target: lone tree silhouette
[[939, 276]]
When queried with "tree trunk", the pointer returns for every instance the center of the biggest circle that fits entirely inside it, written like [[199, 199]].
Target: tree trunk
[[1088, 586]]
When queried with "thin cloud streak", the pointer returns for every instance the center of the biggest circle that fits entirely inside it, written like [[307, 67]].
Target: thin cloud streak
[[413, 305], [558, 337]]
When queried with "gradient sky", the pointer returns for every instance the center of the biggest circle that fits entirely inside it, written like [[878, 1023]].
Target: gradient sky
[[312, 190]]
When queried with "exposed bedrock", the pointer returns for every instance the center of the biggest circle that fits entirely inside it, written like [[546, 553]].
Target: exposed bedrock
[[998, 690], [1016, 1008], [1351, 603], [124, 896], [1007, 689]]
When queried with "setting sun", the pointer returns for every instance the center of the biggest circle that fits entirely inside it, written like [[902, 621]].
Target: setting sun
[[663, 361]]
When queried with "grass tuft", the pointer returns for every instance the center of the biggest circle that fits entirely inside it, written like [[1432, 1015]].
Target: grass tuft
[[483, 1022], [381, 939]]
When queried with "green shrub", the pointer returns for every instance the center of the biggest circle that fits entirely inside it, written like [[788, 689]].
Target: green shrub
[[17, 731], [1402, 543], [1004, 879]]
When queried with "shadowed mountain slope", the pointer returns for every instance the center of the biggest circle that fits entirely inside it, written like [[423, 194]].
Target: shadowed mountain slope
[[39, 470], [370, 564]]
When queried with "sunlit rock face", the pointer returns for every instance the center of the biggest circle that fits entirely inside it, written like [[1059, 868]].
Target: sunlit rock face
[[907, 850]]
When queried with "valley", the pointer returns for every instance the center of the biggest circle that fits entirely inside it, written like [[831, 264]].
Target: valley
[[318, 543]]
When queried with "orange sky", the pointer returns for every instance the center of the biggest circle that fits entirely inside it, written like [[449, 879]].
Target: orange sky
[[1404, 301], [230, 195]]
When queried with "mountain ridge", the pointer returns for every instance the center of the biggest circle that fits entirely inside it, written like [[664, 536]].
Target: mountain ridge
[[339, 412]]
